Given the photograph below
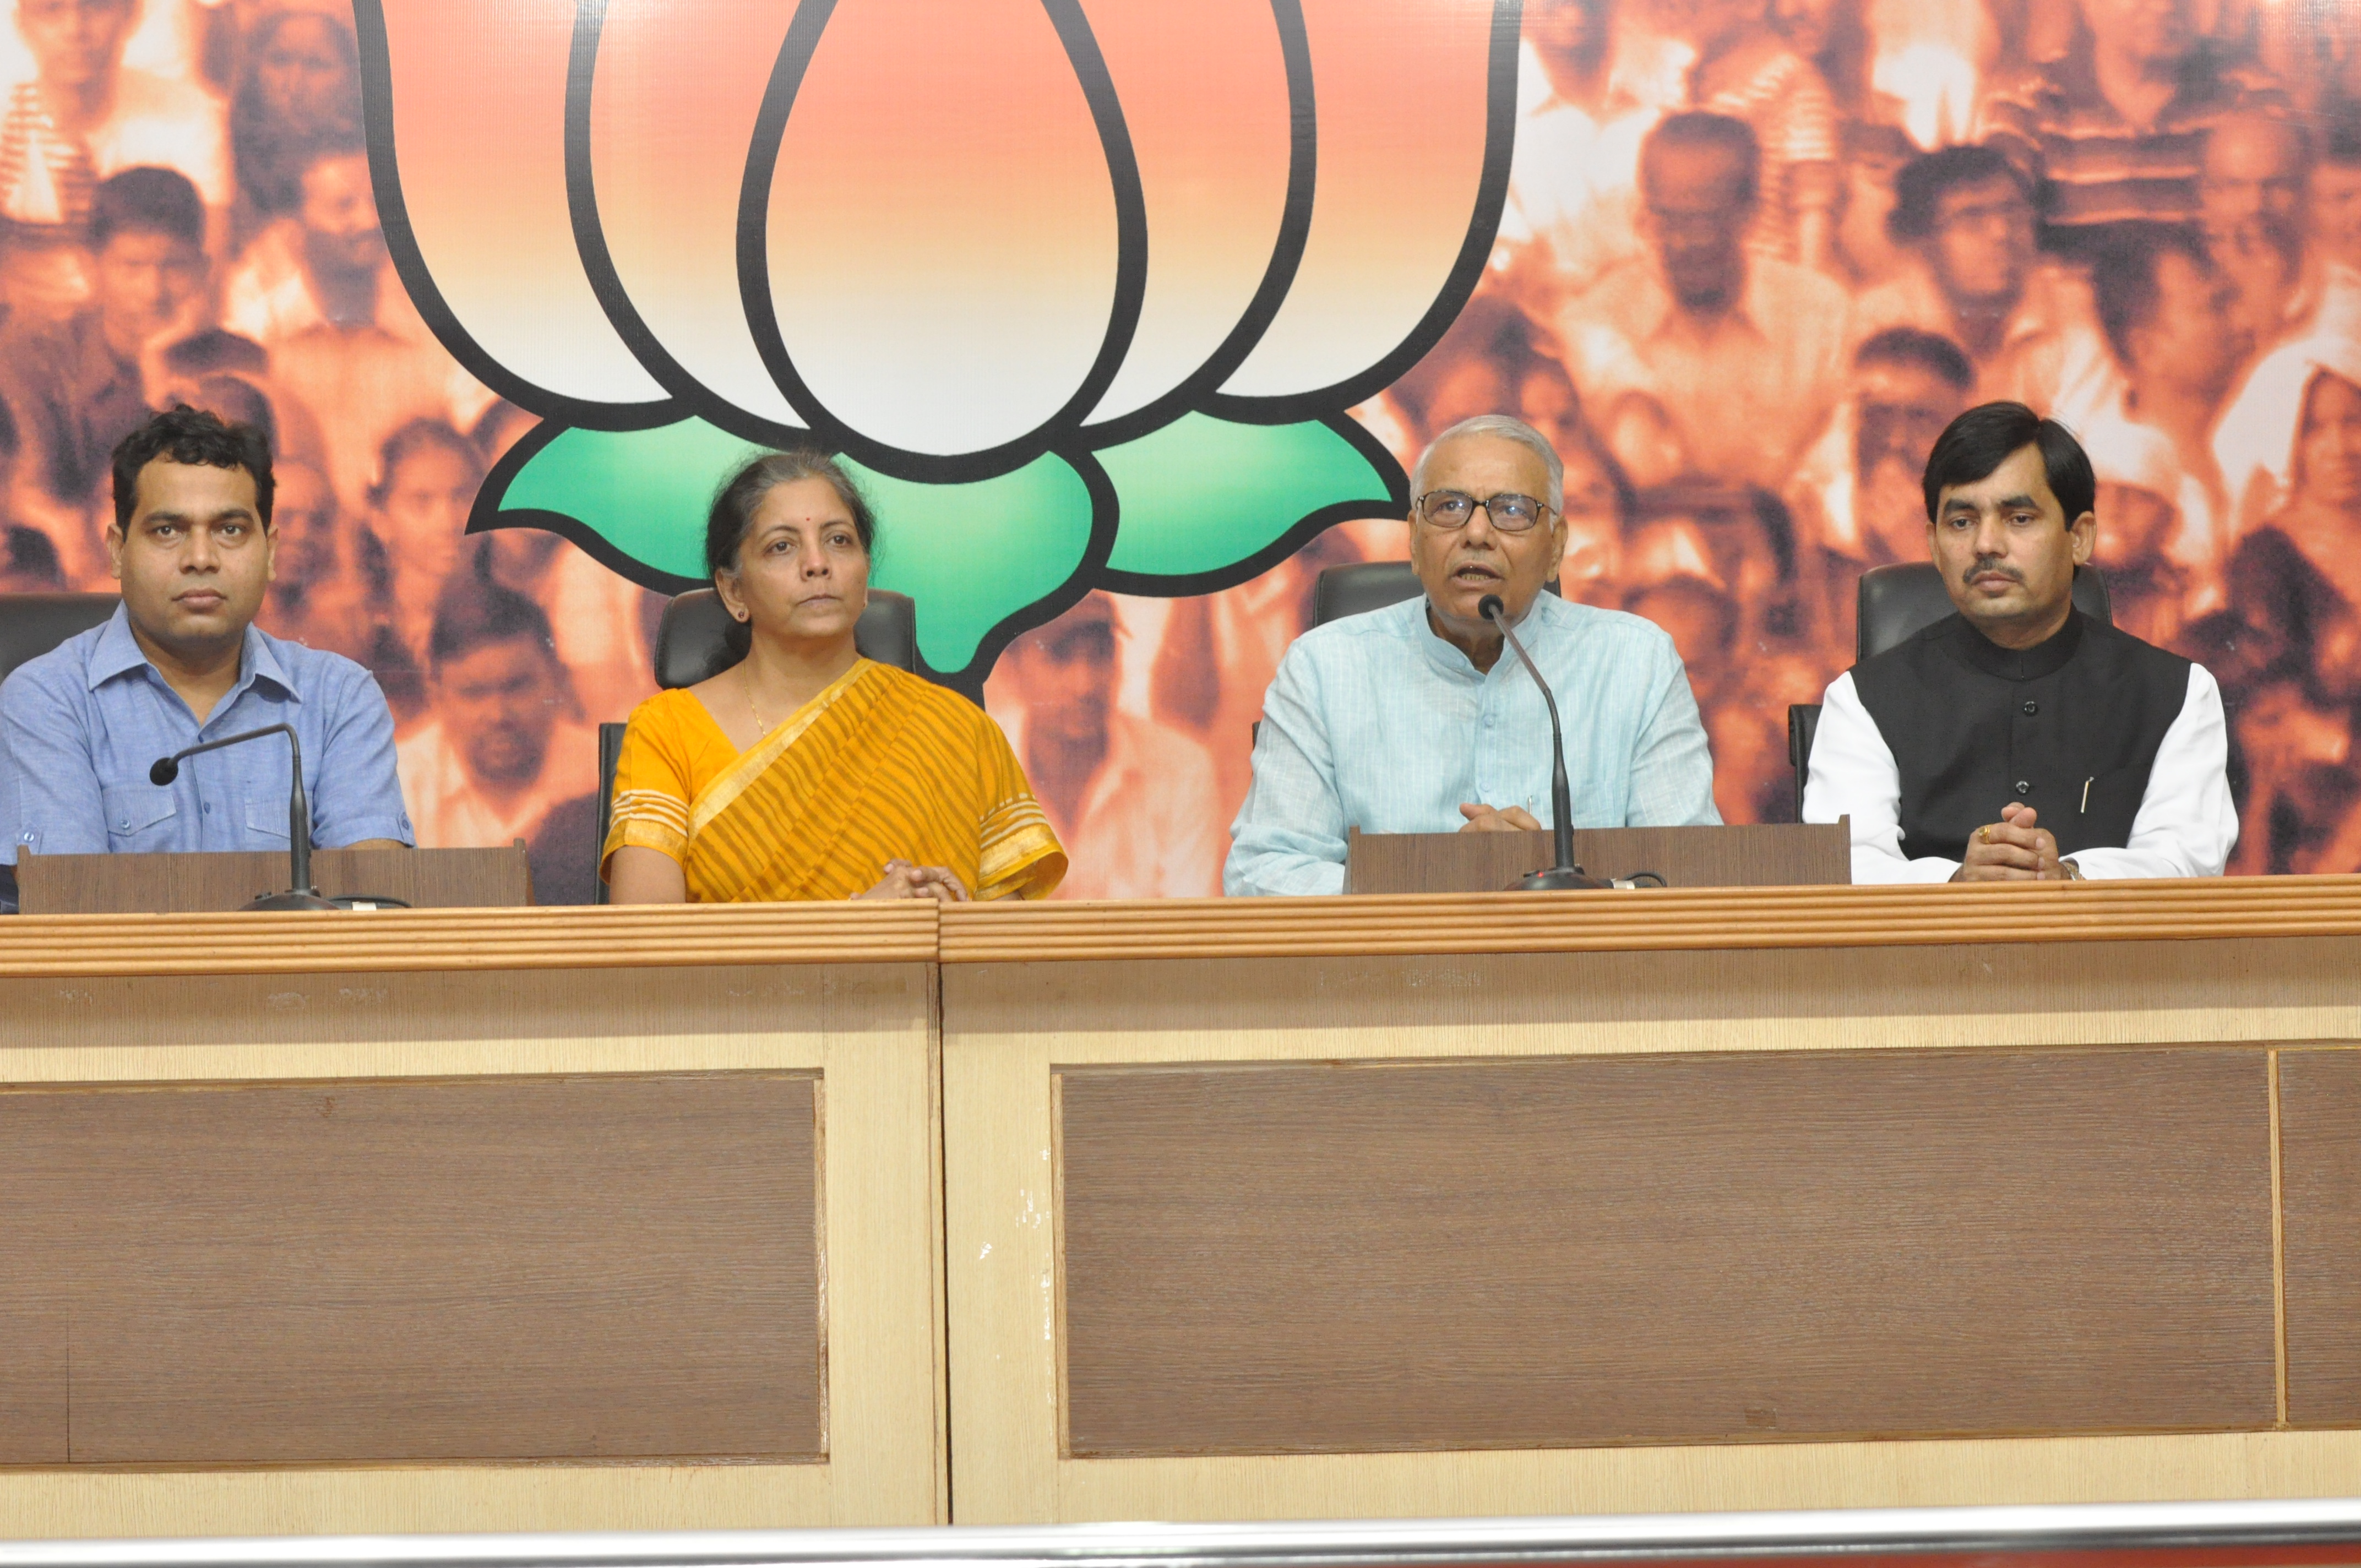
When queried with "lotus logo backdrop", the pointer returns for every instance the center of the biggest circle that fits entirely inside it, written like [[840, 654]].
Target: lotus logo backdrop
[[1131, 313]]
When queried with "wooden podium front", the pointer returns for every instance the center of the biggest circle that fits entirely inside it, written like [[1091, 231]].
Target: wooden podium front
[[197, 884], [1761, 854]]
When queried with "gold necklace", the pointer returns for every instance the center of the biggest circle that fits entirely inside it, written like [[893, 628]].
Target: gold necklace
[[761, 728]]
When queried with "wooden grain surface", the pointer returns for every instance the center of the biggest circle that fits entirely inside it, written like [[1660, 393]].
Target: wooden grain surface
[[600, 1267], [2320, 1165], [1759, 854], [395, 940], [1728, 919], [196, 884], [1546, 1253]]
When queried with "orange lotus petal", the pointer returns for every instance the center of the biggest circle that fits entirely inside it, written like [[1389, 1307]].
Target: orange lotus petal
[[1204, 96], [942, 240], [672, 112], [1402, 88], [479, 113]]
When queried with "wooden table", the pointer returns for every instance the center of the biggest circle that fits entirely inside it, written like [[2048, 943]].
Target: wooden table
[[1430, 1206], [469, 1220], [1627, 1202]]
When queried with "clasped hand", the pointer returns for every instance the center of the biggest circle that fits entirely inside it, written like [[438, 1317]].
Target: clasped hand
[[2013, 850], [1483, 819], [904, 880]]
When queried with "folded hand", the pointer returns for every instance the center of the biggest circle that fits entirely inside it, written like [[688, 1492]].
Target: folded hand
[[903, 880]]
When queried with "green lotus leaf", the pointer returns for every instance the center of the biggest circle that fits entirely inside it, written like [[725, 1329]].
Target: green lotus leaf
[[1202, 496], [971, 554]]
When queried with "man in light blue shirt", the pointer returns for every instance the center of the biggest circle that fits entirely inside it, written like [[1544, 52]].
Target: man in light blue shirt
[[1415, 718], [182, 661]]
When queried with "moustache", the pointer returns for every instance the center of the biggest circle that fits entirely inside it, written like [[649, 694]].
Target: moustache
[[1991, 563]]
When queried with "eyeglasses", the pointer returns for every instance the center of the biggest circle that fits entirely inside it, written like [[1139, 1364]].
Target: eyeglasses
[[1509, 512]]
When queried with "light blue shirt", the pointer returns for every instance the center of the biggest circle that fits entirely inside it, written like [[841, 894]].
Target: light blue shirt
[[1377, 723], [80, 726]]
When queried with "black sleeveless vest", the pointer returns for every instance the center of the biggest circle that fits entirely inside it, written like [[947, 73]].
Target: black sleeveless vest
[[2069, 726]]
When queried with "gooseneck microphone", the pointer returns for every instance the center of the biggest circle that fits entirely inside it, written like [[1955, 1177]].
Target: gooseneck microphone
[[1565, 873], [299, 817]]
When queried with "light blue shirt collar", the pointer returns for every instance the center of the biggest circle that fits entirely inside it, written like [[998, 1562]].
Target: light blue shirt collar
[[118, 652]]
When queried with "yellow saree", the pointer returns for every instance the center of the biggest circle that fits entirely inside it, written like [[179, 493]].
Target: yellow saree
[[880, 766]]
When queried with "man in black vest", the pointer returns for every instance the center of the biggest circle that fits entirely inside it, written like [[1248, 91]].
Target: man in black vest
[[2019, 741]]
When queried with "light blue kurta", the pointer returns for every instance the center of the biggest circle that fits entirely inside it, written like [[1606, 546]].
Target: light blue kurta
[[1374, 722]]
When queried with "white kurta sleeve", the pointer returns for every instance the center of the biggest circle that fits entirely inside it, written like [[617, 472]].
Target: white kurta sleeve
[[2187, 824], [1853, 773]]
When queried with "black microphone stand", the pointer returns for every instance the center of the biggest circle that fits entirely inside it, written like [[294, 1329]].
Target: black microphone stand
[[1565, 874], [299, 818]]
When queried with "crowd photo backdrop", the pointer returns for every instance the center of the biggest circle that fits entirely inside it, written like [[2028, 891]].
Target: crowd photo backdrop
[[1131, 315]]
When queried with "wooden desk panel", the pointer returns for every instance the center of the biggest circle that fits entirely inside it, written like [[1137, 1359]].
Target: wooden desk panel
[[601, 1268], [570, 1190], [2320, 1142], [1045, 1008], [1376, 1257]]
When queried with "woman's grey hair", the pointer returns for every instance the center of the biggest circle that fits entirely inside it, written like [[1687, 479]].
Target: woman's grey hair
[[1507, 427]]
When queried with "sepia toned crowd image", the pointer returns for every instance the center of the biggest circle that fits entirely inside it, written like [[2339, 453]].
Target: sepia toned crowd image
[[187, 215], [1755, 255]]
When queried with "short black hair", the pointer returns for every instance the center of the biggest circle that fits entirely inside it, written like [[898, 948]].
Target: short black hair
[[472, 613], [195, 437], [1985, 437], [147, 201], [1932, 352], [1918, 189], [1700, 128], [740, 495], [2122, 275]]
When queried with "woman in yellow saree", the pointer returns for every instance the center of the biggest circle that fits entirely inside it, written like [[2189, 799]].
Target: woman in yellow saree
[[805, 770]]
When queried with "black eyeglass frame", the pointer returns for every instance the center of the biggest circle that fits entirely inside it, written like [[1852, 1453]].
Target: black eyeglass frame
[[1541, 510]]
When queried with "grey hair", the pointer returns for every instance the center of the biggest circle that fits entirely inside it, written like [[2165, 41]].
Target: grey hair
[[1507, 427]]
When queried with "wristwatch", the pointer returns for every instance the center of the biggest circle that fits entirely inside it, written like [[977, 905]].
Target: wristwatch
[[2073, 872]]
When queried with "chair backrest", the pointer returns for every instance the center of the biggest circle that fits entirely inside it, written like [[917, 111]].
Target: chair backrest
[[696, 639], [611, 749], [33, 624], [1364, 586], [1896, 603], [1360, 588]]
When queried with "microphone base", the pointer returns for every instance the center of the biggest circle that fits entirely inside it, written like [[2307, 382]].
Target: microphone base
[[1562, 879], [276, 901]]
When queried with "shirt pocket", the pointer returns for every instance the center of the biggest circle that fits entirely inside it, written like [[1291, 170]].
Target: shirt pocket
[[264, 820], [139, 817]]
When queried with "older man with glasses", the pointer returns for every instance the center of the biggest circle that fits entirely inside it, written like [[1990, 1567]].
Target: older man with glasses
[[1407, 719]]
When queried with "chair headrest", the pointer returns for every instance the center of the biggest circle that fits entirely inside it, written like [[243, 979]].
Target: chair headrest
[[697, 639], [1896, 603], [1364, 586], [33, 624]]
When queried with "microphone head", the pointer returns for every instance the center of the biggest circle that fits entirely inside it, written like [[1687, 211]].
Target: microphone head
[[1490, 608], [165, 771]]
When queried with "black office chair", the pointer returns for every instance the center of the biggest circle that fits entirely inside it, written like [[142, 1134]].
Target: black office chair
[[1896, 604], [1366, 586], [696, 639], [33, 624]]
